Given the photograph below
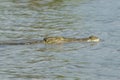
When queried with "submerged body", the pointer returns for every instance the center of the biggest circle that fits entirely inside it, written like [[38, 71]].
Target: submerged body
[[52, 40]]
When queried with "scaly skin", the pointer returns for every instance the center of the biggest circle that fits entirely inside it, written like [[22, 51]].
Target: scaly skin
[[53, 40]]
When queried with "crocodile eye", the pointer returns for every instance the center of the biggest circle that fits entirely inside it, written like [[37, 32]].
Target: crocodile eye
[[92, 37], [44, 39]]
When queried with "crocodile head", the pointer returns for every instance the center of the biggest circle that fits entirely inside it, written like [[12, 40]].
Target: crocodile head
[[93, 39]]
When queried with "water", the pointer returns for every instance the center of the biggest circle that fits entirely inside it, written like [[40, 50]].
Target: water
[[36, 19]]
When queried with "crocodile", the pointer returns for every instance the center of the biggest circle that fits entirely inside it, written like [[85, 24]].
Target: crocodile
[[52, 40]]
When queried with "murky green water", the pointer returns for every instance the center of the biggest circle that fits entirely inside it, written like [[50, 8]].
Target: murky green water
[[36, 19]]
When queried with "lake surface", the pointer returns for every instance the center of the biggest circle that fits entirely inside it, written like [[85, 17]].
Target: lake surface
[[36, 19]]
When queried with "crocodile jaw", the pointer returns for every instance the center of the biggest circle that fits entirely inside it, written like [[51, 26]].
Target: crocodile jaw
[[96, 40]]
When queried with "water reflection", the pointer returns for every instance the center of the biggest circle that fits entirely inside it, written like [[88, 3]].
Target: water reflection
[[45, 4], [37, 17]]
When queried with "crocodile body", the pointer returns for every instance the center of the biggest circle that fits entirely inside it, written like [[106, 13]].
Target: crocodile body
[[51, 40]]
